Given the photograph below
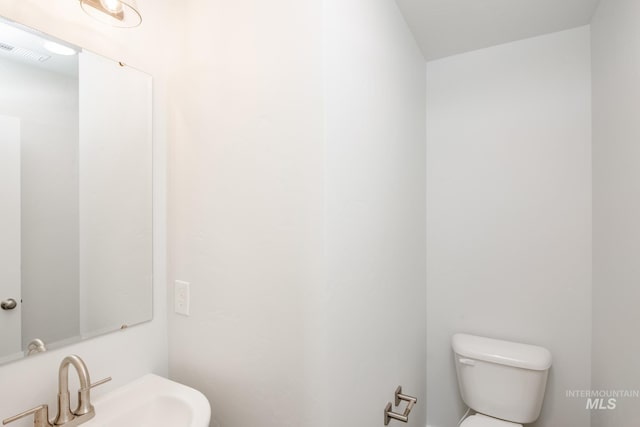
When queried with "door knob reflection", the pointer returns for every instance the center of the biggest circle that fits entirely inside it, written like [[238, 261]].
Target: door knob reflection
[[8, 304]]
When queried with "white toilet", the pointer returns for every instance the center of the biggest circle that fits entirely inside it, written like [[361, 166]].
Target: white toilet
[[503, 382]]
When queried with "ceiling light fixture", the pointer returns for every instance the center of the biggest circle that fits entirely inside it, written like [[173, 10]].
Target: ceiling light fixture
[[113, 6], [118, 13]]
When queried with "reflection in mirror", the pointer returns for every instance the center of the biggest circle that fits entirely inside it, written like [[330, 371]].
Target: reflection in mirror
[[75, 193]]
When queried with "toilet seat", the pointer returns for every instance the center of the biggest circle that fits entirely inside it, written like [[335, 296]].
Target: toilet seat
[[480, 420]]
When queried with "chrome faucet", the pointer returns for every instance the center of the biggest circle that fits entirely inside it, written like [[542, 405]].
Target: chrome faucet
[[83, 413], [84, 399]]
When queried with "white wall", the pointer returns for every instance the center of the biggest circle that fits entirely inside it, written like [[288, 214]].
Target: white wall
[[246, 205], [509, 212], [375, 293], [616, 156], [47, 104], [270, 181], [136, 351]]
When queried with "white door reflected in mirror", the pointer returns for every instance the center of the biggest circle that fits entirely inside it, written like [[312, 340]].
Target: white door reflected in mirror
[[10, 327]]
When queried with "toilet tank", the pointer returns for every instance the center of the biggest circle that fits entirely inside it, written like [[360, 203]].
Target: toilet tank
[[501, 379]]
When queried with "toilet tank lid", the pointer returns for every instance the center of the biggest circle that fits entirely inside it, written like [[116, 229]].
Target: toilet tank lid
[[502, 352]]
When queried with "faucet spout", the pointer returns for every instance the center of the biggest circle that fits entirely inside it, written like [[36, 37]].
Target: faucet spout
[[84, 402]]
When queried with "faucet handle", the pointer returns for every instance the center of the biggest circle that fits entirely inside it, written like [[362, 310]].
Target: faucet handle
[[40, 413], [102, 381], [84, 398]]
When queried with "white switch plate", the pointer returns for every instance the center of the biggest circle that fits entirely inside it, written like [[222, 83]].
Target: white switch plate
[[181, 297]]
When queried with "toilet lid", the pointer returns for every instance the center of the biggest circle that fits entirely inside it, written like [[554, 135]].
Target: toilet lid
[[480, 420]]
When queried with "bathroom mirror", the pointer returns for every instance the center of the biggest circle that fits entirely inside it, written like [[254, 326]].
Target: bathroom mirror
[[75, 193]]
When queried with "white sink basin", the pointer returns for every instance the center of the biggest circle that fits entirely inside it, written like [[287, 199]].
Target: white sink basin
[[151, 401]]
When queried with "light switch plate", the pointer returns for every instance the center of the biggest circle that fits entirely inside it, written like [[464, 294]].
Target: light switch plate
[[181, 297]]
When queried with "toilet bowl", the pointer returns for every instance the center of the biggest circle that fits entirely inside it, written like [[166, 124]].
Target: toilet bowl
[[480, 420]]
